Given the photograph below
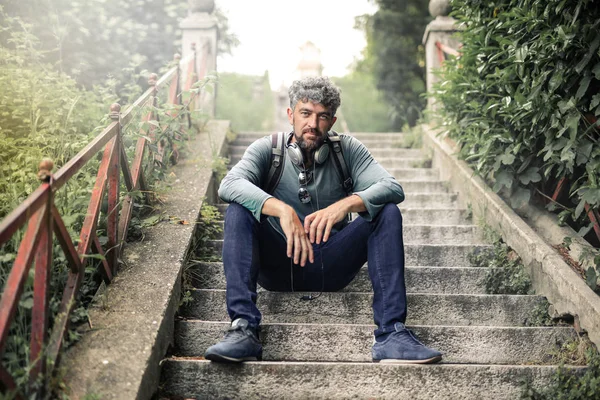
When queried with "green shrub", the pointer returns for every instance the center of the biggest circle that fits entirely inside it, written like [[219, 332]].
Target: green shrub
[[505, 272], [363, 105], [247, 101], [523, 99], [570, 385]]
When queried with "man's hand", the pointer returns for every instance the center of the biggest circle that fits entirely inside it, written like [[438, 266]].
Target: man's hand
[[318, 225], [298, 245]]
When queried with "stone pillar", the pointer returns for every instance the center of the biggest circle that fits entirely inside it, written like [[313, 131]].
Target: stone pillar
[[200, 27], [438, 30]]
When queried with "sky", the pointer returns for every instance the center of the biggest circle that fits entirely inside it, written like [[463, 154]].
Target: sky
[[272, 31]]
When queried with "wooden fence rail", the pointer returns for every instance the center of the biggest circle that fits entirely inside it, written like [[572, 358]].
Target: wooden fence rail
[[44, 223]]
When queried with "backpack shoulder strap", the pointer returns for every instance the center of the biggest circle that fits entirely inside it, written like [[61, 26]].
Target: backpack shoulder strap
[[277, 161], [340, 162]]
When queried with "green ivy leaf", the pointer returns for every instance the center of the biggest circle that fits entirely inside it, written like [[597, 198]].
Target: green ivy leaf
[[520, 197], [503, 178], [530, 175], [507, 159], [591, 277], [583, 87]]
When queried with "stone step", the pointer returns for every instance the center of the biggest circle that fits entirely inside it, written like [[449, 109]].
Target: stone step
[[430, 200], [387, 163], [359, 135], [352, 343], [427, 234], [442, 216], [394, 162], [425, 174], [421, 186], [188, 378], [387, 152], [428, 255], [449, 280], [355, 308], [439, 217], [395, 141]]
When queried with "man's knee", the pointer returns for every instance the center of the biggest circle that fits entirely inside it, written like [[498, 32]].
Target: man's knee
[[236, 214], [390, 213]]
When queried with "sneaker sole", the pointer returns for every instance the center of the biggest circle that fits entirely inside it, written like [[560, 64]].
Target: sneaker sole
[[396, 361], [225, 359]]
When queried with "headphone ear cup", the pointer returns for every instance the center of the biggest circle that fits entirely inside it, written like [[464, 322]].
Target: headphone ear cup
[[322, 153], [295, 154]]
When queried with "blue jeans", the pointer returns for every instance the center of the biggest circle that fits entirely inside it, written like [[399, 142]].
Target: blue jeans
[[254, 252]]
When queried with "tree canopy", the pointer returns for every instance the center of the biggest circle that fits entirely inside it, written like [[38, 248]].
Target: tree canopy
[[396, 57]]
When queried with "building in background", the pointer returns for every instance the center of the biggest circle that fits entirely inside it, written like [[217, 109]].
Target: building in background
[[310, 62]]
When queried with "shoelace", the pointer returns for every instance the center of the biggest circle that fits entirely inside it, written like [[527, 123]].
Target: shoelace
[[412, 335], [234, 334]]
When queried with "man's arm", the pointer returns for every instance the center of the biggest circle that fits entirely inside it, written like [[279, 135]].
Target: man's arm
[[318, 224], [372, 183], [297, 240], [242, 184]]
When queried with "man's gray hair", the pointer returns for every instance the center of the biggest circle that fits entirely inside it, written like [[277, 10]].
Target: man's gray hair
[[317, 90]]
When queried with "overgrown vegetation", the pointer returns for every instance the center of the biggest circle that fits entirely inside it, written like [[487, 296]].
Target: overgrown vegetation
[[209, 228], [523, 101], [568, 384], [93, 40], [505, 273], [363, 105], [45, 113]]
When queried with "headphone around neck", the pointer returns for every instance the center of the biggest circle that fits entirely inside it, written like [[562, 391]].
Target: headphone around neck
[[295, 153]]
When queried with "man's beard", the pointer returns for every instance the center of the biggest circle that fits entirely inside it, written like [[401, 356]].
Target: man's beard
[[310, 146]]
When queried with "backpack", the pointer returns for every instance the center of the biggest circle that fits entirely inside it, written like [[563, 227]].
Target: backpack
[[278, 157]]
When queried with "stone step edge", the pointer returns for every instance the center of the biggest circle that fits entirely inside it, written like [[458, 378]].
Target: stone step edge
[[420, 326], [408, 293], [441, 365]]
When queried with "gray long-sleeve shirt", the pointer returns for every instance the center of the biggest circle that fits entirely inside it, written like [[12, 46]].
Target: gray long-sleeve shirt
[[375, 186]]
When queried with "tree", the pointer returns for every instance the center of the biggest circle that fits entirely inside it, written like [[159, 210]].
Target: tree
[[92, 40], [396, 57]]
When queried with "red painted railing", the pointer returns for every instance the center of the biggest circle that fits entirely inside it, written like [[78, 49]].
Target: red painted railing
[[442, 50], [43, 221]]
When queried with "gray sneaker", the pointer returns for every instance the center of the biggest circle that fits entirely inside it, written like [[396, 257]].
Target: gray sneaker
[[402, 346], [240, 343]]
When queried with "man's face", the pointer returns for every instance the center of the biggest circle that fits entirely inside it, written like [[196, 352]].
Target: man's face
[[311, 122]]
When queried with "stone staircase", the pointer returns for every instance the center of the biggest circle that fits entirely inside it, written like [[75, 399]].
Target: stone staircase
[[321, 348]]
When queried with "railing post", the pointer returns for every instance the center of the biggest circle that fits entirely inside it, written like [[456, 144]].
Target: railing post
[[41, 284], [114, 174], [439, 30], [200, 26]]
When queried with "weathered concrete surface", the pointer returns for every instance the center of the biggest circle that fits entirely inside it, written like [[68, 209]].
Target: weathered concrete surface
[[448, 280], [322, 380], [133, 319], [352, 343], [552, 277], [355, 308]]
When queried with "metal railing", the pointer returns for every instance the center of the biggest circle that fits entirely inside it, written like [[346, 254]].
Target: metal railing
[[443, 50], [42, 221]]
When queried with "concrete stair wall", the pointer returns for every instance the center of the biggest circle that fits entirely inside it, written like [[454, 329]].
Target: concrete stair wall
[[321, 349]]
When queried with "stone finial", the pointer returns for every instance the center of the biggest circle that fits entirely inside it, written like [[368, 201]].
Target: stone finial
[[439, 8], [45, 169], [115, 111], [201, 6], [177, 57], [152, 79]]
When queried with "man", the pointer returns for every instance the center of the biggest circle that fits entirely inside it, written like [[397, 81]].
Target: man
[[304, 223]]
